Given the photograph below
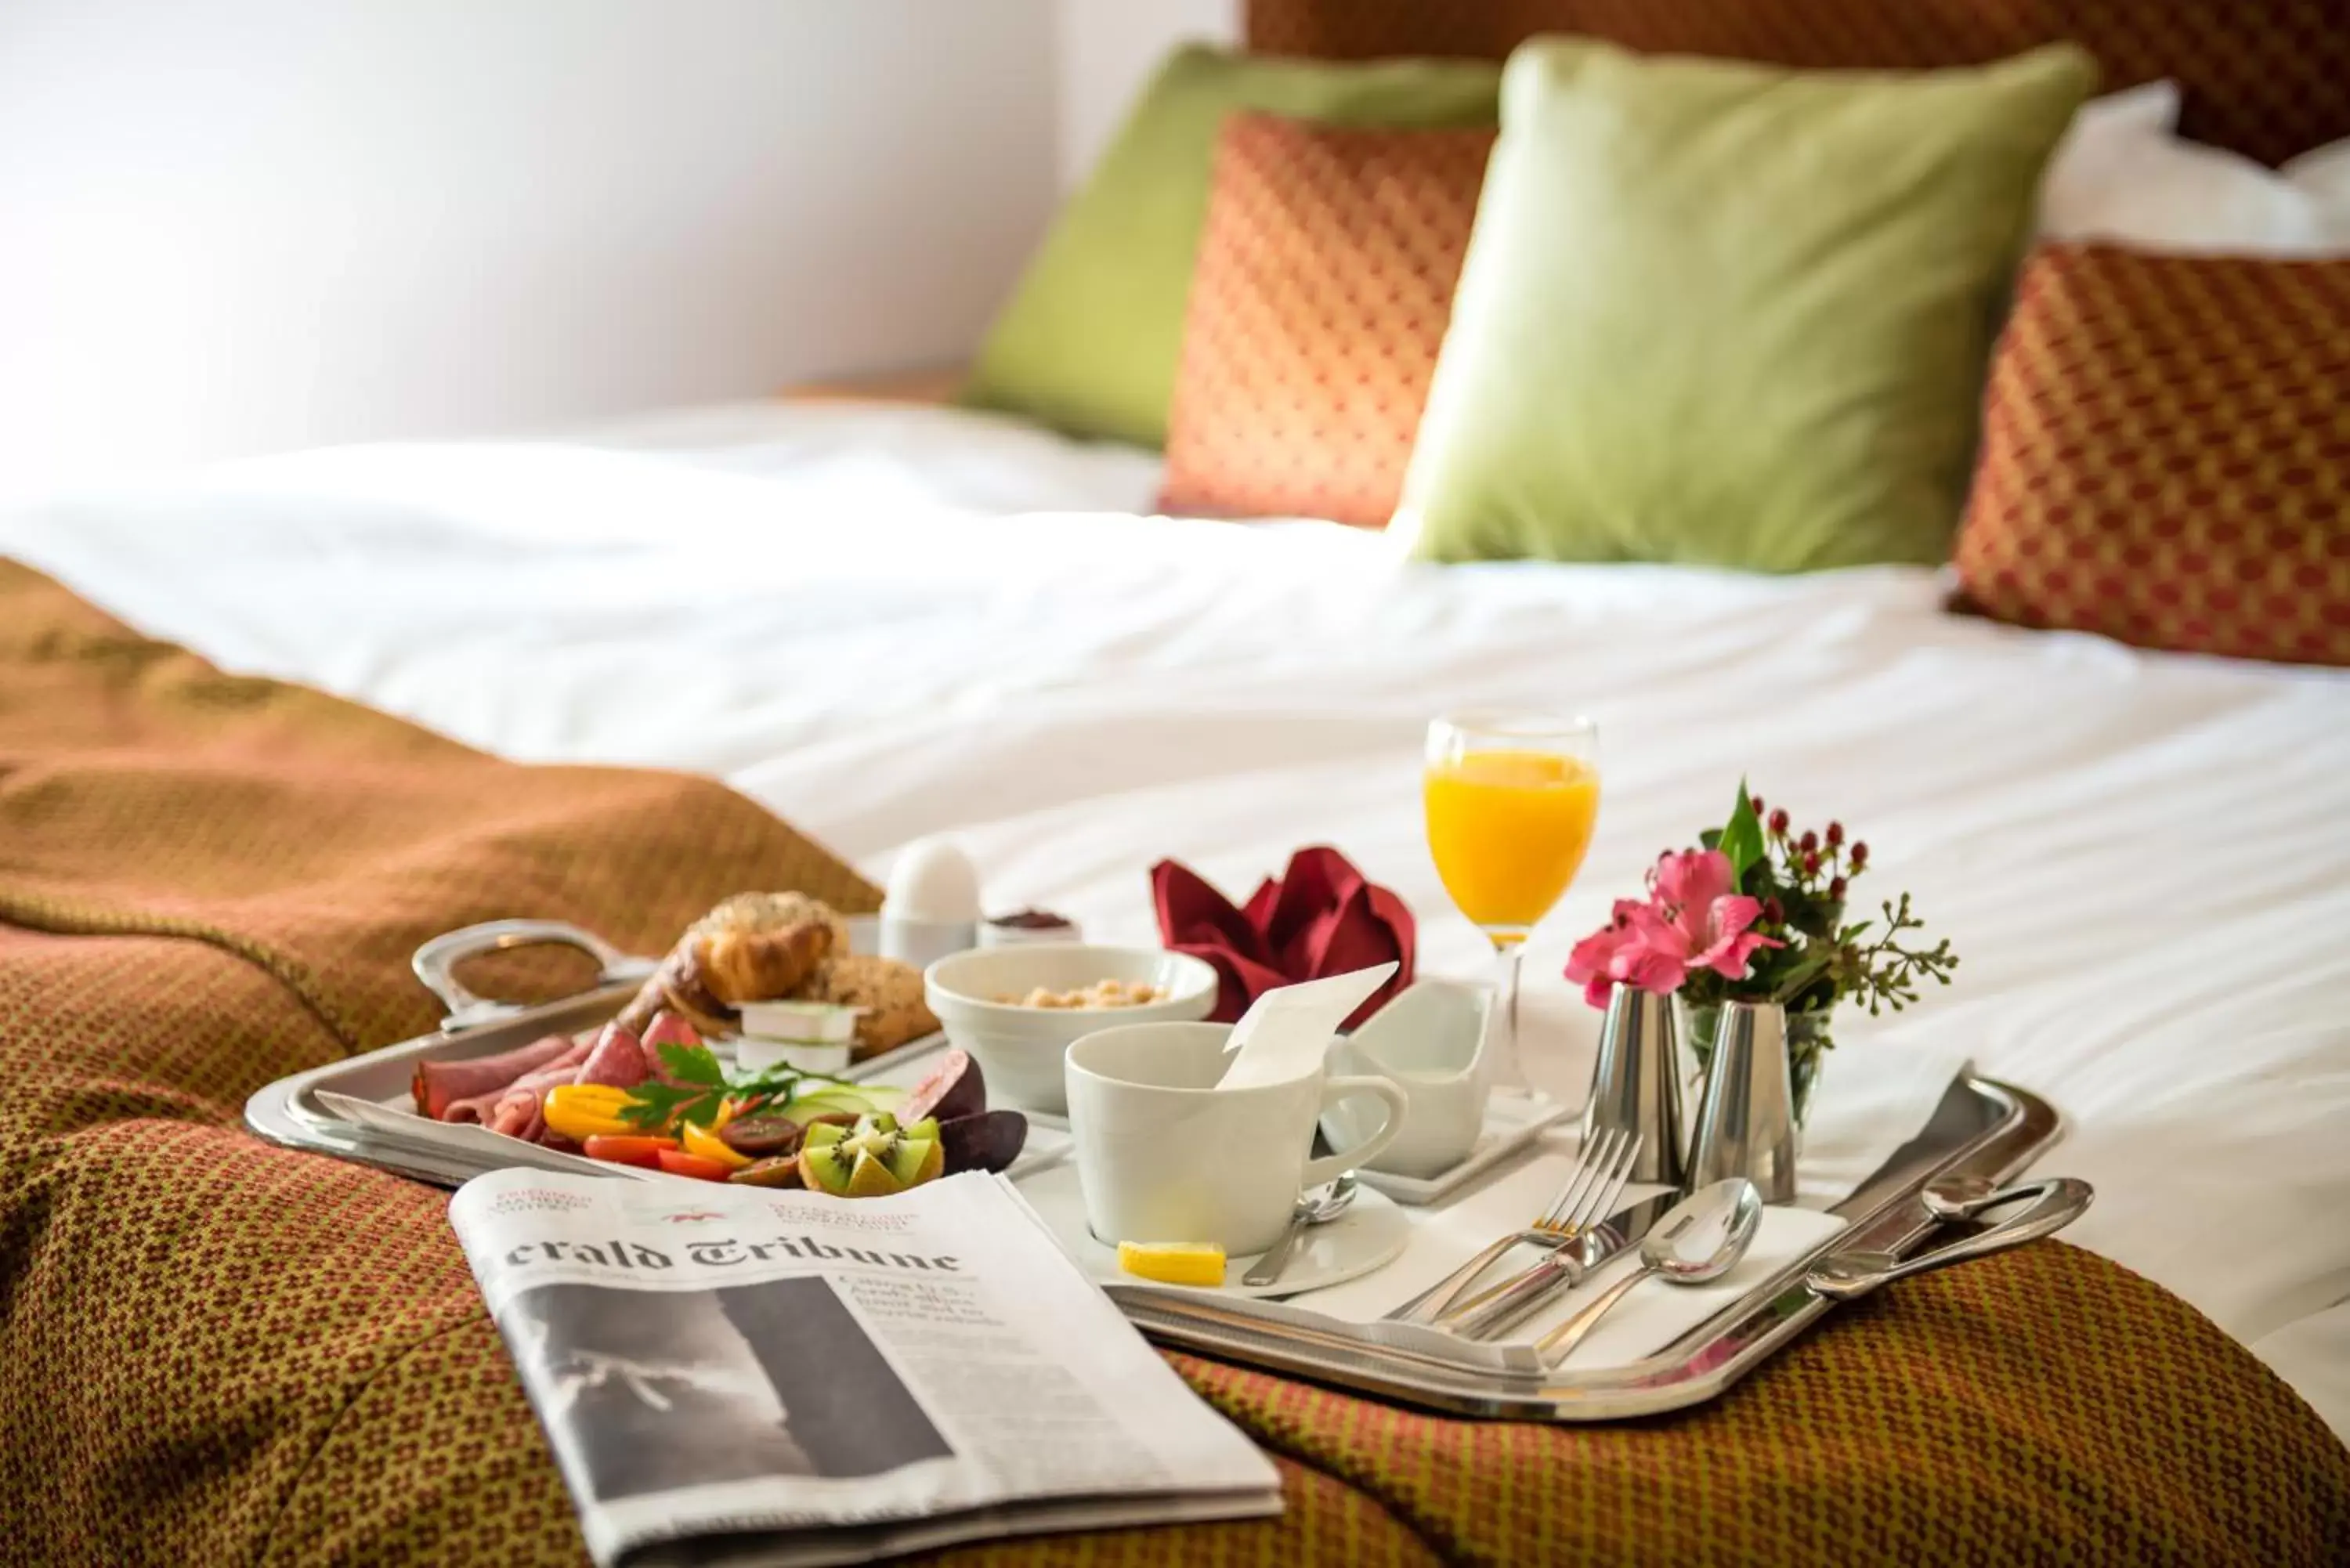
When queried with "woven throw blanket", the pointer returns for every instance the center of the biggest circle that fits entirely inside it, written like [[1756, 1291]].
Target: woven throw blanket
[[216, 1351]]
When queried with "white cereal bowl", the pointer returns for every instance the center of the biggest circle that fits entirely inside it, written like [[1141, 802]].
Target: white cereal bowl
[[1020, 1048]]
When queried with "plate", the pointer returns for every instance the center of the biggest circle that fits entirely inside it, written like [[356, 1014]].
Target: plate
[[1368, 1235], [479, 1150], [1513, 1120]]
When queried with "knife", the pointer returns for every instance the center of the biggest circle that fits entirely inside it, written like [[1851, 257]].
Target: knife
[[1495, 1312], [1623, 1229]]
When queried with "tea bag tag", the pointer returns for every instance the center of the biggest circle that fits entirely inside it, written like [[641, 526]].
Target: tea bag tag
[[1286, 1032]]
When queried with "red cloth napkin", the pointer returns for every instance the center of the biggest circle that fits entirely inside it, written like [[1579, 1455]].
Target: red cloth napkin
[[1322, 918]]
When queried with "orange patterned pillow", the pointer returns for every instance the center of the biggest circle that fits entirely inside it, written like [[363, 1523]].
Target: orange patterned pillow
[[2166, 455], [1318, 302]]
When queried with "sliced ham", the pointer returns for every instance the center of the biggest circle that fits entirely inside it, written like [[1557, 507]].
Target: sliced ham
[[439, 1085], [486, 1107], [619, 1060], [515, 1116], [666, 1029]]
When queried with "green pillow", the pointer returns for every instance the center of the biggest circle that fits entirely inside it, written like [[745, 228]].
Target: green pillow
[[1090, 341], [1727, 313]]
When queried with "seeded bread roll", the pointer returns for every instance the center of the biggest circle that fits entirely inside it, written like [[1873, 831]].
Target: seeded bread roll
[[771, 911], [889, 992]]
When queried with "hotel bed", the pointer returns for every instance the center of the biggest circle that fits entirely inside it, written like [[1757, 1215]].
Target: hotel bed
[[887, 622]]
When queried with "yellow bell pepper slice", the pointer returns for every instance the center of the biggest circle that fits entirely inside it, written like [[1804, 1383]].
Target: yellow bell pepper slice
[[582, 1111], [706, 1142]]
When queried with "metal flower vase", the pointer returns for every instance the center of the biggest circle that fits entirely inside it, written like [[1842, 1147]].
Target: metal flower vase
[[1746, 1120], [1636, 1083]]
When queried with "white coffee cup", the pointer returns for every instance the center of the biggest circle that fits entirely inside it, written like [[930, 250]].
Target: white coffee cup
[[1163, 1154]]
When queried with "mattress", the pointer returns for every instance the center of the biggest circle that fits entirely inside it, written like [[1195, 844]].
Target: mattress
[[888, 623]]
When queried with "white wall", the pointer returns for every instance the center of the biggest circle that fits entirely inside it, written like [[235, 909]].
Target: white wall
[[235, 225], [1108, 48]]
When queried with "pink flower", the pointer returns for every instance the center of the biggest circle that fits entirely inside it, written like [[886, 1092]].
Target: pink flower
[[1692, 921], [1708, 921], [1623, 950]]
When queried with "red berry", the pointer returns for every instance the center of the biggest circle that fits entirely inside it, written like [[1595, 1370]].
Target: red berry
[[1836, 833], [1779, 821], [1773, 911], [1811, 865], [1859, 855], [1809, 842], [1756, 802], [1836, 888]]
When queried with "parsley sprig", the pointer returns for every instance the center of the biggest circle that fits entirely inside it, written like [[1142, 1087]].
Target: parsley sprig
[[702, 1085]]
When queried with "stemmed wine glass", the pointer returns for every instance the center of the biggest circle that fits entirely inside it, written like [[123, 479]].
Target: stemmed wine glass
[[1512, 798]]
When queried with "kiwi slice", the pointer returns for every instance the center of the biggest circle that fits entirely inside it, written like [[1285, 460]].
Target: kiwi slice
[[872, 1176], [870, 1159], [824, 1167], [916, 1160]]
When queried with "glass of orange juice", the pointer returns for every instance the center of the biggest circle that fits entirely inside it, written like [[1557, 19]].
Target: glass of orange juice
[[1511, 799]]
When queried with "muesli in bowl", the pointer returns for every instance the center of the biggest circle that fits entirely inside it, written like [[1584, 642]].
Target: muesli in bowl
[[1020, 1044]]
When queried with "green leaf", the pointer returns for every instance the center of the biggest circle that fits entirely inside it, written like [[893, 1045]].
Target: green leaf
[[1742, 837], [693, 1064], [654, 1104]]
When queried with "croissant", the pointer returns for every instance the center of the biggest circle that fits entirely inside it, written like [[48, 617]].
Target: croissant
[[706, 975], [740, 966]]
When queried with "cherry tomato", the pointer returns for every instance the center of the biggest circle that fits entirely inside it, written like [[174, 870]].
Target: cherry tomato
[[627, 1149], [676, 1162]]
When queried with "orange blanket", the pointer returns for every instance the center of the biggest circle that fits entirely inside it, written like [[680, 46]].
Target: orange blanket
[[212, 1350]]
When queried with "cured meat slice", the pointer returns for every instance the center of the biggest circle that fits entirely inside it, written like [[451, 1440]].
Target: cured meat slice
[[484, 1107], [619, 1060], [437, 1084]]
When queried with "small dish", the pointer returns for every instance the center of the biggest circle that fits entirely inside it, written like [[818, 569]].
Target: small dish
[[813, 1036], [1370, 1235], [1511, 1122], [1020, 1048], [1028, 927]]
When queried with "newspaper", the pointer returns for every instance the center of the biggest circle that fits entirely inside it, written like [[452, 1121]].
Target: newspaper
[[736, 1375]]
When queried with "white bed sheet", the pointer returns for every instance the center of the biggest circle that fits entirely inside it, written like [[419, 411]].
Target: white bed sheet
[[2142, 857]]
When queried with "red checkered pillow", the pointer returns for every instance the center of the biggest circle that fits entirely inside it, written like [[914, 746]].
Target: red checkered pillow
[[2166, 455], [1318, 302]]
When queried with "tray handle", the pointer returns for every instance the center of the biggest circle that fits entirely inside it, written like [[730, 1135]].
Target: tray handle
[[436, 964], [2049, 1206]]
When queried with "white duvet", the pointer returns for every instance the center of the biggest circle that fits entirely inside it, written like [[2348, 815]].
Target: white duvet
[[892, 623]]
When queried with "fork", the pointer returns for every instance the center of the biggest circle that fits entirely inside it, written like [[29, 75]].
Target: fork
[[1598, 1176], [1493, 1311]]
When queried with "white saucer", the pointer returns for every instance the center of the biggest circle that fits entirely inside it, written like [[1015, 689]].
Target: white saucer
[[1513, 1120], [1368, 1235]]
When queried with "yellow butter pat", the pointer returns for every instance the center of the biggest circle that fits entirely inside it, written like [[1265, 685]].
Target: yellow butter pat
[[1172, 1263]]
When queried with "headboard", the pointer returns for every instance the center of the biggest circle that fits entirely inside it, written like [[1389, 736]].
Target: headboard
[[2268, 78]]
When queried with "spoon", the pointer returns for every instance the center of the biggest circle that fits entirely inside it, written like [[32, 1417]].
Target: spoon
[[1720, 1218], [1316, 1206]]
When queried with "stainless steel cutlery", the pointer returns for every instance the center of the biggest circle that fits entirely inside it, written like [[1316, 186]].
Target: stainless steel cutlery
[[1586, 1199]]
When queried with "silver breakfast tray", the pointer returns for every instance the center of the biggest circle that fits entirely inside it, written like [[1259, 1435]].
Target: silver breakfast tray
[[1982, 1130]]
